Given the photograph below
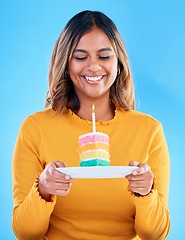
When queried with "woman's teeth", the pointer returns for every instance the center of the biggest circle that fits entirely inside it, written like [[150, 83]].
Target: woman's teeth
[[93, 78]]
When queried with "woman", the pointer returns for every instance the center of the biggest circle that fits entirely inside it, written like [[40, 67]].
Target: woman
[[89, 66]]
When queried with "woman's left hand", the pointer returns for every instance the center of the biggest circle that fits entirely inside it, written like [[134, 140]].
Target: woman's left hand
[[141, 179]]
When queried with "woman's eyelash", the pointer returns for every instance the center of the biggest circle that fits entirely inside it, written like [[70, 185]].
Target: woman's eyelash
[[80, 58], [107, 57], [83, 58]]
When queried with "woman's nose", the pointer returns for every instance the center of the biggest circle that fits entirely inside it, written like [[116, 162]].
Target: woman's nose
[[93, 64]]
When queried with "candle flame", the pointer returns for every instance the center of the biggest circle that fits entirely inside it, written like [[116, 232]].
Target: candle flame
[[93, 107]]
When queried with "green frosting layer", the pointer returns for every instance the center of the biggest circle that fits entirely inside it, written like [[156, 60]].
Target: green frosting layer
[[94, 162]]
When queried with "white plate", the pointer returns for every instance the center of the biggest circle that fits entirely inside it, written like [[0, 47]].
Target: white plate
[[97, 172]]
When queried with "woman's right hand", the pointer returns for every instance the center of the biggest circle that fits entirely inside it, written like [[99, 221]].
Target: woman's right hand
[[53, 182]]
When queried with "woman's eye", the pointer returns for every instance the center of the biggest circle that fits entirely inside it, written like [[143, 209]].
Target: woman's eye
[[80, 58], [100, 57], [103, 58]]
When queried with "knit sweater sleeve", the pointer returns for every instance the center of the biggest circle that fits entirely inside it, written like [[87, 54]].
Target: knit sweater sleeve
[[152, 220], [31, 213]]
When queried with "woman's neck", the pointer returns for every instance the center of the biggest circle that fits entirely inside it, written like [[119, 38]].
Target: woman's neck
[[104, 109]]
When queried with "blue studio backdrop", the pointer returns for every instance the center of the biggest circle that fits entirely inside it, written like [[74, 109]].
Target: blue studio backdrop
[[154, 35]]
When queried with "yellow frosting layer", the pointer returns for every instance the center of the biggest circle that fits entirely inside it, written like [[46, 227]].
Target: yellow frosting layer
[[94, 154]]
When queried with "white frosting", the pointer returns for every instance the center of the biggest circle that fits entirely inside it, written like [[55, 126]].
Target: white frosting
[[92, 133], [97, 150], [94, 143], [87, 159]]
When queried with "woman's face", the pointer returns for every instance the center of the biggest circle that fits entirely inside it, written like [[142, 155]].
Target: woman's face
[[94, 65]]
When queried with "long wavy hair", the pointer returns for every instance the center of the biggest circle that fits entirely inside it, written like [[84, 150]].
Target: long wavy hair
[[61, 94]]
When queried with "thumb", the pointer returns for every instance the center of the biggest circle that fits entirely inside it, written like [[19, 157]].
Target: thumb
[[59, 164], [133, 163]]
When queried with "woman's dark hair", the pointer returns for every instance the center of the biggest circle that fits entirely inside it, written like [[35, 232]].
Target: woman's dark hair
[[61, 94]]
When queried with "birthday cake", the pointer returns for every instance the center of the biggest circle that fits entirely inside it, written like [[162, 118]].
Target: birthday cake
[[94, 149]]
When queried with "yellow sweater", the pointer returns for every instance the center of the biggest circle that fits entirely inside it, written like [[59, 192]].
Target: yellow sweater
[[94, 208]]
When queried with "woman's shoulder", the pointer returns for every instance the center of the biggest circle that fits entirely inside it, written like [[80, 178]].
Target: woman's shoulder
[[46, 113], [141, 115], [44, 117], [134, 117], [40, 115]]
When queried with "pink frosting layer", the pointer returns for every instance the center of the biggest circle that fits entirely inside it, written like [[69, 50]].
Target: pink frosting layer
[[93, 138]]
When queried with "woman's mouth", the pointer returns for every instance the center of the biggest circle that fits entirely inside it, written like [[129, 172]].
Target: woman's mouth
[[94, 79]]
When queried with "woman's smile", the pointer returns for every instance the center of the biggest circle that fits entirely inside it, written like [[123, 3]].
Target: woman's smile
[[94, 79]]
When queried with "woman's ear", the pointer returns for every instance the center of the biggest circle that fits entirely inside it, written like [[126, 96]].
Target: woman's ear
[[118, 69], [118, 72], [66, 74]]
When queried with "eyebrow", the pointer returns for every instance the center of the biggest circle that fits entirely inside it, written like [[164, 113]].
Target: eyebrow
[[100, 50], [105, 49]]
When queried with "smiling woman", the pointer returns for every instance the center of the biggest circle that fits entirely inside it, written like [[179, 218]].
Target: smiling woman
[[89, 66], [87, 39], [93, 67]]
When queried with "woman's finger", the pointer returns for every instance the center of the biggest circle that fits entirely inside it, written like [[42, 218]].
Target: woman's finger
[[59, 164], [143, 168], [51, 179], [61, 186], [61, 192], [55, 187], [141, 179], [137, 183], [52, 168]]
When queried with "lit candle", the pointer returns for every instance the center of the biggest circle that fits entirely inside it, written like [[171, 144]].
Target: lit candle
[[93, 119]]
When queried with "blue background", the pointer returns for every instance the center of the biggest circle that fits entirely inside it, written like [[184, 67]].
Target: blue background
[[154, 35]]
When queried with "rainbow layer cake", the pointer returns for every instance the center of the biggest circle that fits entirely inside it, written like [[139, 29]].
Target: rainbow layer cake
[[94, 149]]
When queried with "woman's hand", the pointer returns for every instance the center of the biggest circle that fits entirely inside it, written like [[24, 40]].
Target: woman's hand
[[51, 181], [141, 179]]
